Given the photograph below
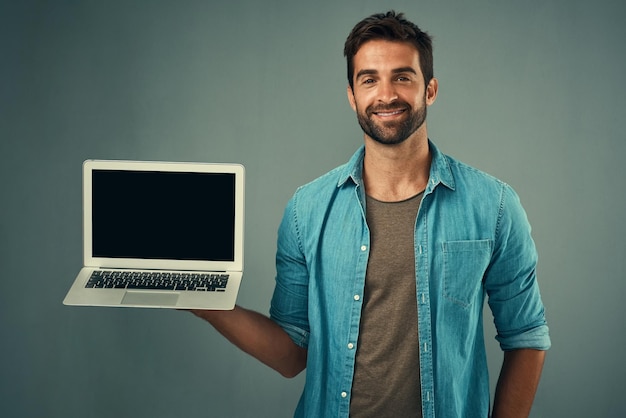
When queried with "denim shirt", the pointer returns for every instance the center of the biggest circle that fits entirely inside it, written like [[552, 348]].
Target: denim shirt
[[472, 240]]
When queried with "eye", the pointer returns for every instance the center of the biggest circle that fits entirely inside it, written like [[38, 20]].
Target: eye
[[368, 81]]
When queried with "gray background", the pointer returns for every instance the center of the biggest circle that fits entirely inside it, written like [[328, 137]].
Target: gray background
[[532, 92]]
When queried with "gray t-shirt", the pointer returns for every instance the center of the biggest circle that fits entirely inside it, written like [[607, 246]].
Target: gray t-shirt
[[387, 375]]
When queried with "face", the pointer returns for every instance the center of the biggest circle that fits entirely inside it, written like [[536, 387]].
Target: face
[[389, 96]]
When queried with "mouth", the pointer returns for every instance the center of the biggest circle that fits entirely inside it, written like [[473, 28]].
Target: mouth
[[389, 113]]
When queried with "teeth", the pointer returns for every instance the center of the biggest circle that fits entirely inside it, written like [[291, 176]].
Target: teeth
[[389, 113]]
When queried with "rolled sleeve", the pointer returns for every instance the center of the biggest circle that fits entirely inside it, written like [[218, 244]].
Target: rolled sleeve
[[511, 281], [537, 338], [289, 306]]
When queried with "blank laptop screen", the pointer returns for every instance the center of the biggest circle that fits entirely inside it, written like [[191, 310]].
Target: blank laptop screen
[[163, 215]]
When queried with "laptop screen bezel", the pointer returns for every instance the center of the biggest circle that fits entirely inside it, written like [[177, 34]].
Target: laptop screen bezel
[[159, 264]]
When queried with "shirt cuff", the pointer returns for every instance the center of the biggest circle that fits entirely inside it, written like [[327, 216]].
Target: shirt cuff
[[299, 336], [536, 338]]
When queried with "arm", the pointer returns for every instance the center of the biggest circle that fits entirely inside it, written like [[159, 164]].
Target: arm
[[518, 310], [260, 337], [519, 378]]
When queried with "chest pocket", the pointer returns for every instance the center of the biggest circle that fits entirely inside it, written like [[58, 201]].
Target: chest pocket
[[464, 264]]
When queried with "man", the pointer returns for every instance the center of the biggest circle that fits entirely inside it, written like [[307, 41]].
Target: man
[[383, 264]]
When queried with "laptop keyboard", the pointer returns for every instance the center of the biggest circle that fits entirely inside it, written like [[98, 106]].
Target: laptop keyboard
[[198, 282]]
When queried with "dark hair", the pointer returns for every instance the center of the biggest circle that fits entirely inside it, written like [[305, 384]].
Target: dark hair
[[390, 26]]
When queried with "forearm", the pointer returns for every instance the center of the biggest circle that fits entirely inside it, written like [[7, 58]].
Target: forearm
[[518, 383], [258, 336]]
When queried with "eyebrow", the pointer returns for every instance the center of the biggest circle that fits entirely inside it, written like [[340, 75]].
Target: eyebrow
[[394, 71]]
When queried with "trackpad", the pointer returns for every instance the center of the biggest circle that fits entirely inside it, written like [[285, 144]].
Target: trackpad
[[150, 299]]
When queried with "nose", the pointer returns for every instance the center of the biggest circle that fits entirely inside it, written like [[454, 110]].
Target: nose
[[387, 92]]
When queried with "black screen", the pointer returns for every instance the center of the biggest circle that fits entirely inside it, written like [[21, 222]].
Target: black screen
[[163, 215]]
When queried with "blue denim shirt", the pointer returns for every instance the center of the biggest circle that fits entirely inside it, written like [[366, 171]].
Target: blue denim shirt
[[472, 239]]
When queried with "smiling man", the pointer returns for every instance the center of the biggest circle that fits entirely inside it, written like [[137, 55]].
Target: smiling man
[[398, 104], [383, 264]]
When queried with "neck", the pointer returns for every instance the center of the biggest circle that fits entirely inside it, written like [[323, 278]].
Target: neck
[[393, 173]]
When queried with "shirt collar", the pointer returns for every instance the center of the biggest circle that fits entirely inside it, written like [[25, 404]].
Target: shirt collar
[[353, 169], [440, 171]]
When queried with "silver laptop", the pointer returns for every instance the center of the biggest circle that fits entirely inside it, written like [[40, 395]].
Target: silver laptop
[[161, 235]]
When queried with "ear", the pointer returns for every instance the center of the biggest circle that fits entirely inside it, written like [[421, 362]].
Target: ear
[[351, 98], [431, 91]]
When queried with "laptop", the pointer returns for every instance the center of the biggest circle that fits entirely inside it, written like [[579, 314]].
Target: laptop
[[161, 235]]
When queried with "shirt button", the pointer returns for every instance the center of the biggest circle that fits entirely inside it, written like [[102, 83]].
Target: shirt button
[[357, 297], [363, 247], [350, 346], [344, 394]]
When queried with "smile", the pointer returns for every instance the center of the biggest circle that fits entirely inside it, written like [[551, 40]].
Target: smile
[[389, 113]]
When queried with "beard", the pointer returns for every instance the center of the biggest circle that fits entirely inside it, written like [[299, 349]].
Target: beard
[[392, 133]]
